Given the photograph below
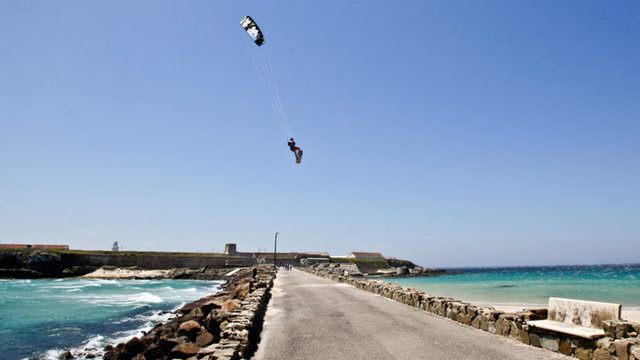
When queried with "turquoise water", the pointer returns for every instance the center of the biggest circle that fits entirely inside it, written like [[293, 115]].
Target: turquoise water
[[534, 285], [42, 318]]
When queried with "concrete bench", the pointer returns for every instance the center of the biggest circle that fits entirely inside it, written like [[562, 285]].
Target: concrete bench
[[578, 317]]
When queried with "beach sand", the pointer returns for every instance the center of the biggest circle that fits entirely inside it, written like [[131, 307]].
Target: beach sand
[[632, 315], [127, 274]]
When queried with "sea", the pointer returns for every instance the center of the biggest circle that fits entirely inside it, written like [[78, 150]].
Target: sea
[[40, 319], [526, 286]]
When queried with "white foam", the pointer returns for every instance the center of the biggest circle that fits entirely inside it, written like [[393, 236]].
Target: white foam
[[146, 297]]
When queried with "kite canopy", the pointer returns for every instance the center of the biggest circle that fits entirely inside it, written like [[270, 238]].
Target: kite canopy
[[253, 30]]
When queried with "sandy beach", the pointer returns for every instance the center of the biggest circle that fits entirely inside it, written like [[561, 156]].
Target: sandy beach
[[632, 315], [119, 273]]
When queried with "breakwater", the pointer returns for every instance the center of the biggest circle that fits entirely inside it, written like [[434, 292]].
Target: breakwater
[[223, 326], [622, 341]]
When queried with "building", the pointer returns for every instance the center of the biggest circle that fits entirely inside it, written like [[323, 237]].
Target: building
[[115, 247], [230, 249], [373, 256]]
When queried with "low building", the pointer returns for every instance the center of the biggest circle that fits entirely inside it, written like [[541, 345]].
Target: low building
[[373, 256]]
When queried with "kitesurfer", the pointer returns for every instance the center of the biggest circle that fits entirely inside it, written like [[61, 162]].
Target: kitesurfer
[[296, 150]]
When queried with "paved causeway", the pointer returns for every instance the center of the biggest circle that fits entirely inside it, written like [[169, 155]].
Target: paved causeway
[[314, 318]]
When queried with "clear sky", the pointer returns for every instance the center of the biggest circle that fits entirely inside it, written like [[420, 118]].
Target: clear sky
[[451, 133]]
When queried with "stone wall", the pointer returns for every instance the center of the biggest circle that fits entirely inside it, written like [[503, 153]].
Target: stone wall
[[621, 343], [154, 262]]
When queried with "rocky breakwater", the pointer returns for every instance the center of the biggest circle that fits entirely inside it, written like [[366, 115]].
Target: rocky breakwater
[[224, 326], [622, 341]]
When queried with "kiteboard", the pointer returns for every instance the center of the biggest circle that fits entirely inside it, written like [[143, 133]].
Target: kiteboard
[[299, 156]]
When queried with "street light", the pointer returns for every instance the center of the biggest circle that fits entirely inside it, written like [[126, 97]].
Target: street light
[[275, 249]]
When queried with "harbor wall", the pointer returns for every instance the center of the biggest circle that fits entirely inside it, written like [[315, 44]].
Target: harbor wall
[[154, 262]]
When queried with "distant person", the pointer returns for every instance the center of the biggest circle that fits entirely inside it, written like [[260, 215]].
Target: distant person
[[296, 150]]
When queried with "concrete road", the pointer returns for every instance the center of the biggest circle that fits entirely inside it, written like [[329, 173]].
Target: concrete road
[[314, 318]]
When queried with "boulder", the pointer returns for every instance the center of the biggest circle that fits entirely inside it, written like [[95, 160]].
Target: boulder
[[155, 351], [189, 328], [241, 291], [184, 351], [204, 338], [230, 305], [66, 356]]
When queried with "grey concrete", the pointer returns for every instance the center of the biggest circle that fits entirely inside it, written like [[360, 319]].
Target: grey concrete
[[314, 318]]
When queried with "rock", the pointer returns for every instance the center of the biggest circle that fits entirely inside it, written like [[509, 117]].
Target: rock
[[204, 338], [550, 342], [565, 347], [535, 314], [491, 327], [500, 325], [66, 356], [241, 291], [476, 322], [184, 351], [214, 320], [189, 328], [618, 329], [601, 354], [583, 354], [155, 351], [230, 305], [515, 331], [524, 337], [635, 351], [622, 349], [535, 340]]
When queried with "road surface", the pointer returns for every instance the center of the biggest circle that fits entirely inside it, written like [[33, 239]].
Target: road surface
[[315, 318]]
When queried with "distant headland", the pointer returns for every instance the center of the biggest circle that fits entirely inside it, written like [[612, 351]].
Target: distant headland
[[50, 261]]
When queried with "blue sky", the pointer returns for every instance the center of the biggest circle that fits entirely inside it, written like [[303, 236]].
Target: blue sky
[[451, 133]]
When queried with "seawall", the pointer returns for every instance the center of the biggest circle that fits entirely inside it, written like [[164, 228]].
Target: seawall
[[154, 262], [37, 263]]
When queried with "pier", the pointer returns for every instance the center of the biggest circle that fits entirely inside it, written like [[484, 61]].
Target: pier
[[314, 318]]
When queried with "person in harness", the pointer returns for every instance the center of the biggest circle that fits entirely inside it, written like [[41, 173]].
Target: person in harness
[[296, 150]]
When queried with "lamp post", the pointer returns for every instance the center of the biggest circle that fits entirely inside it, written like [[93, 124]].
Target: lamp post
[[275, 249]]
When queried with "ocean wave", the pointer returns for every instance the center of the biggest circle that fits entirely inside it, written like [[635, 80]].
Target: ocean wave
[[121, 300], [106, 281], [146, 297], [74, 286], [95, 345]]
